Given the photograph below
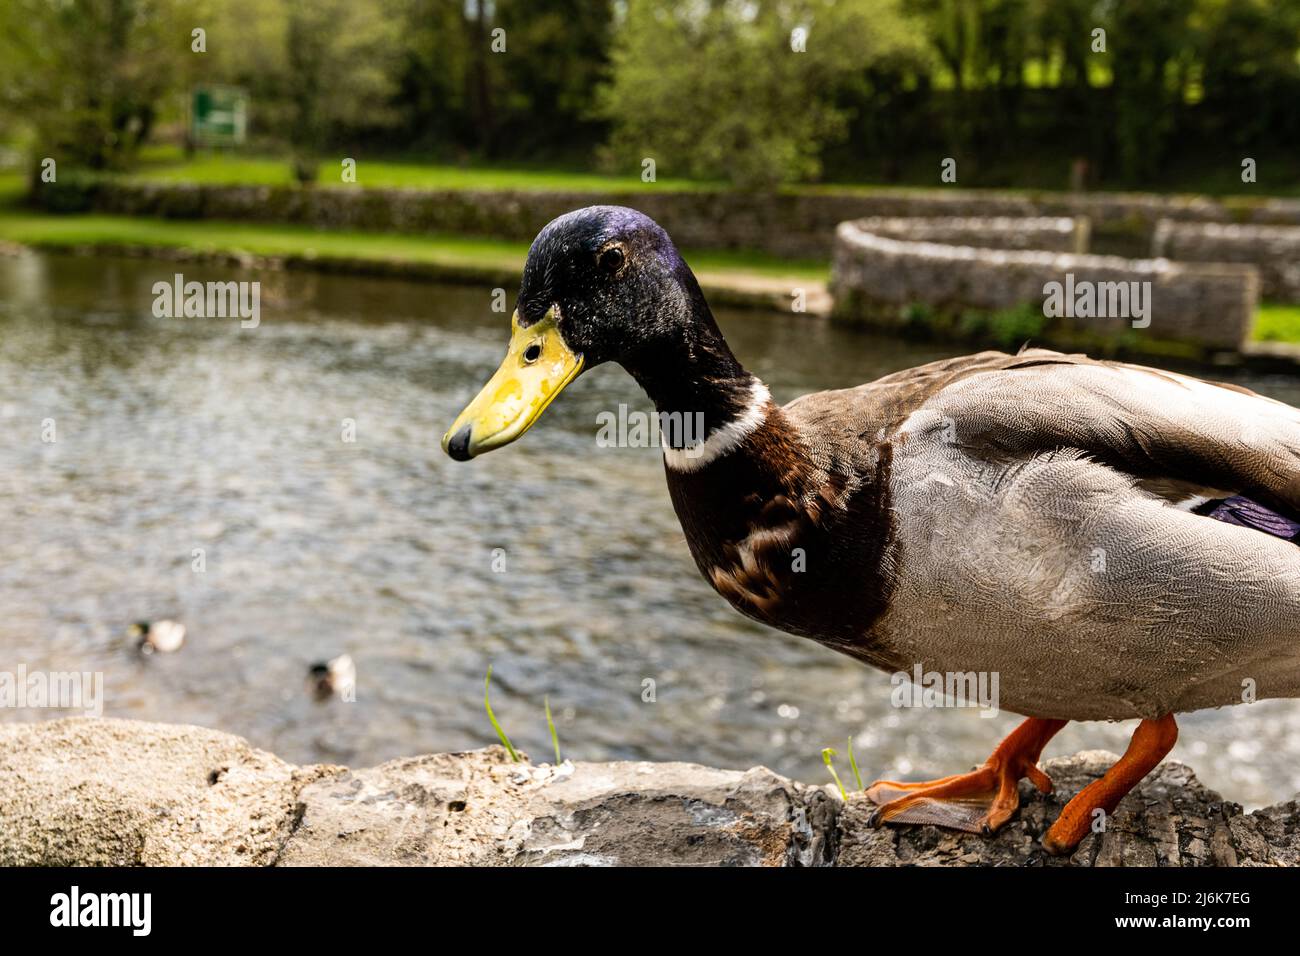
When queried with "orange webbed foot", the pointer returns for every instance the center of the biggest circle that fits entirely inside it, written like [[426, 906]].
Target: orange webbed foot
[[981, 801]]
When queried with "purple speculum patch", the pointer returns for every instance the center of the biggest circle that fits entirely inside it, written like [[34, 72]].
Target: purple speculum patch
[[1248, 513]]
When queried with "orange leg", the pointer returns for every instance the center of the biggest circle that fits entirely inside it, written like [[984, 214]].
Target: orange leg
[[1152, 740], [979, 801]]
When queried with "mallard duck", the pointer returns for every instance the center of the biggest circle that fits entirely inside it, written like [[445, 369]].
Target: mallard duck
[[336, 677], [162, 637], [1112, 541]]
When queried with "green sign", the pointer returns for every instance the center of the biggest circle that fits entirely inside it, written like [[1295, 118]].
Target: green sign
[[219, 116]]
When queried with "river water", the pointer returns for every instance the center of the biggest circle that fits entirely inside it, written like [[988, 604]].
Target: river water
[[180, 434]]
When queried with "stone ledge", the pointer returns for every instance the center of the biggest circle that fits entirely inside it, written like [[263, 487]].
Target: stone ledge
[[879, 280], [84, 791], [1274, 250], [1048, 233]]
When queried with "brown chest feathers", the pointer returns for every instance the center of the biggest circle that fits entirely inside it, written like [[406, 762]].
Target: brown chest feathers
[[790, 541]]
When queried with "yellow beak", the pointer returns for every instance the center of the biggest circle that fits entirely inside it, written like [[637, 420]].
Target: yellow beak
[[536, 368]]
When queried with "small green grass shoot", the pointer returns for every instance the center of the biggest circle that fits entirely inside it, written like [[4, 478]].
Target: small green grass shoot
[[501, 734], [555, 740], [827, 755], [854, 764], [487, 704]]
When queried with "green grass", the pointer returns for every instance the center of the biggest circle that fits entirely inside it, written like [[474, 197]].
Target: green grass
[[555, 738], [256, 238], [501, 734], [828, 758], [487, 705], [275, 239], [721, 263], [1035, 171], [854, 764], [165, 164], [1277, 323]]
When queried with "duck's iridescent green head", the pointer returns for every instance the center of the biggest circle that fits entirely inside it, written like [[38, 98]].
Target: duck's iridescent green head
[[601, 284]]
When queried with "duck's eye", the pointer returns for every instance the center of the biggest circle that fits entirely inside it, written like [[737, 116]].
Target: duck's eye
[[532, 353], [611, 259]]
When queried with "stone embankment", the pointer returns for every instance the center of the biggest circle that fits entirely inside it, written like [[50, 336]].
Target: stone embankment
[[85, 791]]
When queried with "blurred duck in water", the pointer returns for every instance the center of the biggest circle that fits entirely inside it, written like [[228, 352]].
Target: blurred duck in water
[[162, 637], [333, 678]]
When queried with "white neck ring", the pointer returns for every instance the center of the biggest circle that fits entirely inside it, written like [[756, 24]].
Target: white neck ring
[[724, 439]]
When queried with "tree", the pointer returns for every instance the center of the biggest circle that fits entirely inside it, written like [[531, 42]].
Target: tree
[[559, 55], [533, 99], [1151, 47], [1251, 69], [320, 73], [715, 89], [88, 77]]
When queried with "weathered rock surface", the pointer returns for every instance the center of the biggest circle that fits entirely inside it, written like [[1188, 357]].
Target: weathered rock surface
[[478, 808], [123, 793], [1171, 819], [116, 792]]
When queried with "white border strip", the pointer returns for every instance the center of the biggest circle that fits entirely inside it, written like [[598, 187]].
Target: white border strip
[[721, 440]]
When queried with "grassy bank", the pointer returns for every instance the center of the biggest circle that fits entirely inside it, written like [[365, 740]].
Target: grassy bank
[[22, 225], [1277, 323], [272, 239], [167, 164]]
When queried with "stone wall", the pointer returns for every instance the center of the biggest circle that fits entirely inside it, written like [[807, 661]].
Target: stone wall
[[81, 792], [881, 281], [1275, 250], [785, 223], [1060, 233]]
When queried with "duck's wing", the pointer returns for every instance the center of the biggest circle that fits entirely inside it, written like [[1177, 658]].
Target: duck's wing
[[1037, 538], [1178, 435]]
